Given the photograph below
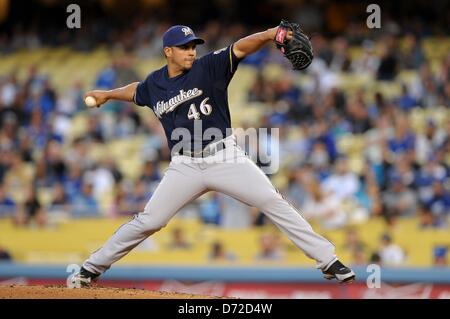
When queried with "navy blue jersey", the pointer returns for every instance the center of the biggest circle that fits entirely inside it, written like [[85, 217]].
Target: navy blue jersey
[[196, 96]]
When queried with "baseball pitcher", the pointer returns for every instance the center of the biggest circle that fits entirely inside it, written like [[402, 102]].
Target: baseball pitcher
[[188, 91]]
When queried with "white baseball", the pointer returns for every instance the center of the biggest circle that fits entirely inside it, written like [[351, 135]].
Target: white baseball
[[90, 101]]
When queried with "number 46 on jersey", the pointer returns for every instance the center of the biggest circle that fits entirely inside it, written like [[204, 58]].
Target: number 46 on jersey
[[204, 107]]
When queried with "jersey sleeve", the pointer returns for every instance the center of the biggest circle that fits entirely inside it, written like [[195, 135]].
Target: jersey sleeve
[[142, 94], [222, 64]]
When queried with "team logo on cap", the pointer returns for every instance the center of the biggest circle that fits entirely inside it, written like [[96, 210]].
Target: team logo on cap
[[187, 31]]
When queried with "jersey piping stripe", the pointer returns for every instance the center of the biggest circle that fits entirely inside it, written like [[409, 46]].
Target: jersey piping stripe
[[231, 58], [290, 203], [298, 212]]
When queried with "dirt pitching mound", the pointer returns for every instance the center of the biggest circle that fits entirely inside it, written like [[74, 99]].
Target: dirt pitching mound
[[61, 292]]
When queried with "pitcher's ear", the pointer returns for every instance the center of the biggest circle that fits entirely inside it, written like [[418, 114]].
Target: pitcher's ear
[[168, 52]]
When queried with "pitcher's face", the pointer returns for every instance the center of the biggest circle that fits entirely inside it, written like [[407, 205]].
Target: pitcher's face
[[182, 56]]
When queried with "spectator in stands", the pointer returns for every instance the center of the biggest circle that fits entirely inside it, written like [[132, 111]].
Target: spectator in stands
[[375, 258], [5, 255], [428, 142], [107, 78], [9, 89], [101, 178], [327, 209], [342, 183], [359, 257], [406, 101], [124, 71], [47, 98], [322, 49], [431, 94], [446, 133], [388, 67], [59, 201], [150, 174], [427, 86], [391, 254], [378, 107], [26, 149], [7, 203], [110, 164], [412, 55], [5, 163], [119, 205], [74, 181], [368, 63], [399, 201], [375, 144], [353, 242], [210, 209], [38, 130], [444, 73], [218, 253], [286, 90], [32, 211], [139, 197], [53, 154], [127, 122], [17, 176], [94, 131], [40, 98], [358, 116], [9, 129], [279, 114], [12, 119], [261, 90], [446, 94], [440, 256], [236, 215], [178, 240], [71, 100], [258, 58], [341, 60], [304, 113], [404, 139], [439, 203], [77, 154], [368, 195], [320, 132], [428, 173], [84, 204], [443, 153], [402, 169], [43, 177], [427, 219], [270, 248], [319, 158], [299, 179], [151, 46]]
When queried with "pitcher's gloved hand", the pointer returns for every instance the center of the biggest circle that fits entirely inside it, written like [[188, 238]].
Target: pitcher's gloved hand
[[298, 49]]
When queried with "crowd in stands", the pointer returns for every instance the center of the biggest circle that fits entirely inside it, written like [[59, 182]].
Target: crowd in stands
[[405, 172]]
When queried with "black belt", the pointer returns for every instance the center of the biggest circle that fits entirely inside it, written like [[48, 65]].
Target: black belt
[[207, 151]]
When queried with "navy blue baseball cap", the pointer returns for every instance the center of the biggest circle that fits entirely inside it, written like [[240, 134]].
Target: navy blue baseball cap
[[180, 35]]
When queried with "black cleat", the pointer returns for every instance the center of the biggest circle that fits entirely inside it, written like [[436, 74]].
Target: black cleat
[[82, 279], [339, 272]]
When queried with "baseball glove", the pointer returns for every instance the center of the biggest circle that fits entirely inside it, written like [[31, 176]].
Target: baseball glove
[[297, 50]]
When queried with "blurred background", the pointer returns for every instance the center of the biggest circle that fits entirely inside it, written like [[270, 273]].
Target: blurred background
[[364, 147]]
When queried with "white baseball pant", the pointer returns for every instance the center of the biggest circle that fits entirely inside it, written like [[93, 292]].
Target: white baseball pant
[[229, 171]]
